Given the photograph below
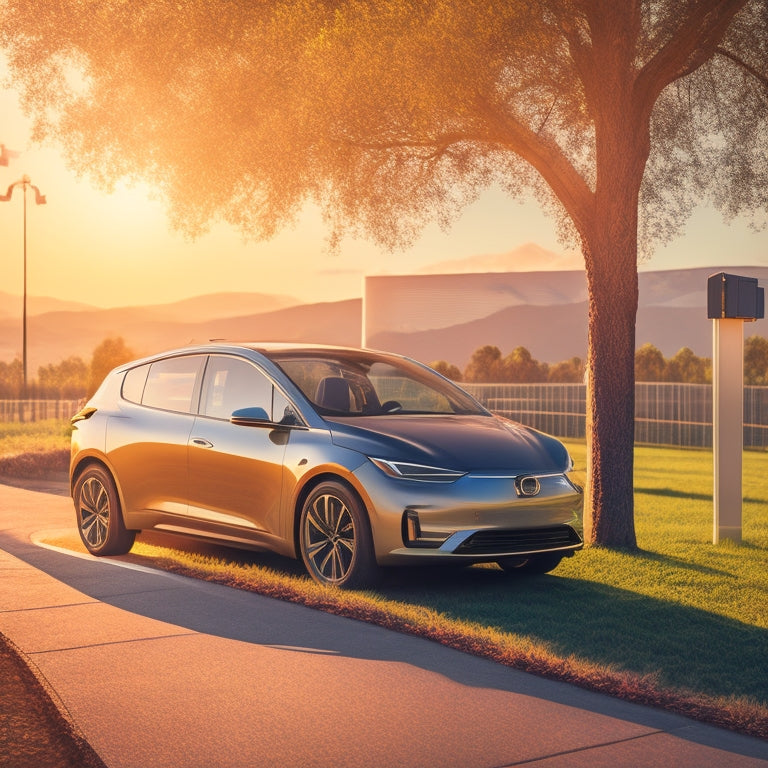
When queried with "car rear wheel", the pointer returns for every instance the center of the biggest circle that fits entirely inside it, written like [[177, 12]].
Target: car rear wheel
[[543, 563], [99, 517], [335, 538]]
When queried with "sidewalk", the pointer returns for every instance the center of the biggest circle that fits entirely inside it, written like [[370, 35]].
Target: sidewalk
[[161, 670]]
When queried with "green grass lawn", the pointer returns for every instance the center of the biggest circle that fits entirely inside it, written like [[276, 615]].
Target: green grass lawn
[[679, 615], [35, 451], [39, 436]]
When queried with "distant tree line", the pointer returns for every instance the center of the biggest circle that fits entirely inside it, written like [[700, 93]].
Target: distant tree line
[[71, 379], [488, 365], [686, 366]]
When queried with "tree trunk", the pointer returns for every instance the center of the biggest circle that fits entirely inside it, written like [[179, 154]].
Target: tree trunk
[[612, 282], [609, 239]]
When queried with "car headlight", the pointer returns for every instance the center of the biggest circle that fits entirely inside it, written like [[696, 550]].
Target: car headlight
[[405, 470], [576, 477]]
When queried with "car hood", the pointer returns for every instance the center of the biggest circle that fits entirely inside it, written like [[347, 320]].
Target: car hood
[[466, 443]]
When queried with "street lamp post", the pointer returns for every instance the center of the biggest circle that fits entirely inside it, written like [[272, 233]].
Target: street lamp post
[[24, 182]]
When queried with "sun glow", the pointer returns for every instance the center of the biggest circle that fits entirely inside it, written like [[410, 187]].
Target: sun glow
[[132, 209]]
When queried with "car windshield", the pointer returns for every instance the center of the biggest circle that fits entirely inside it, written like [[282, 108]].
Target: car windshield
[[350, 383]]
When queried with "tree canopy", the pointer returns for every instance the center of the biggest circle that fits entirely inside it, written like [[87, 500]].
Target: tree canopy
[[756, 361], [649, 363], [618, 116], [110, 353]]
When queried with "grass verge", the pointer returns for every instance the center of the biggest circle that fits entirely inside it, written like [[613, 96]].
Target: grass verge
[[34, 451]]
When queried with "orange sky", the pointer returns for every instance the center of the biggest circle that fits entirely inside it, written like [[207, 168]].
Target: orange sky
[[116, 250]]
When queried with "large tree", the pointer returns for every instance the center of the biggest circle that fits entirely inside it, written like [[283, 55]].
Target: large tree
[[620, 115]]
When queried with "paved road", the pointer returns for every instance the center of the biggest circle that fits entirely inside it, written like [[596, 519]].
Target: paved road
[[163, 671]]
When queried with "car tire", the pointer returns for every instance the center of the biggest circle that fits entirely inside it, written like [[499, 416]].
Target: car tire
[[533, 564], [335, 538], [99, 516]]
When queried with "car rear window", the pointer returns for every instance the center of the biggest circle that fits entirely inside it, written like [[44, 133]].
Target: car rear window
[[169, 384], [133, 383]]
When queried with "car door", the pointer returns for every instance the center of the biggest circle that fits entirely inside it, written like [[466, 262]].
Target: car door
[[236, 472], [147, 441]]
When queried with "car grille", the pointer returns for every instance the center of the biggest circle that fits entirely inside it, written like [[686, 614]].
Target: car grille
[[492, 542]]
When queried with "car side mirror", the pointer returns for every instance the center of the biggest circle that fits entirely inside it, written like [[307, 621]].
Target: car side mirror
[[250, 417]]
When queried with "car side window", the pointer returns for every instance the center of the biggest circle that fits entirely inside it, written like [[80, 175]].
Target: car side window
[[133, 383], [231, 383], [171, 383]]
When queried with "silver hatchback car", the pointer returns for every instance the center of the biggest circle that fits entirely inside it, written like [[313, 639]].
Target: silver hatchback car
[[349, 459]]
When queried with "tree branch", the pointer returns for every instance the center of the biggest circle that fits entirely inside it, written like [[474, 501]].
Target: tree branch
[[763, 79], [510, 134], [437, 146], [545, 156], [693, 43], [546, 117]]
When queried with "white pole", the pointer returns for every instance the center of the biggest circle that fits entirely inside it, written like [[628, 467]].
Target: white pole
[[728, 426]]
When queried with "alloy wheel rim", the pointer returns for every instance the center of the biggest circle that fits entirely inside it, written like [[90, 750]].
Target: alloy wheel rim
[[329, 535], [94, 512]]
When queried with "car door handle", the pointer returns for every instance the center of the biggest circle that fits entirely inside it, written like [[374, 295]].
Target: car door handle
[[201, 442]]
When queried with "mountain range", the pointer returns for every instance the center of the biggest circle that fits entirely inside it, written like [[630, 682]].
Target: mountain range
[[543, 311]]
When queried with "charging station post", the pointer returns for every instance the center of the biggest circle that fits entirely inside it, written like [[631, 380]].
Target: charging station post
[[731, 300]]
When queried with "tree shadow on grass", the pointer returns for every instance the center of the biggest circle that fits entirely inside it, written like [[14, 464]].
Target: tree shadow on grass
[[679, 562], [669, 493], [686, 648]]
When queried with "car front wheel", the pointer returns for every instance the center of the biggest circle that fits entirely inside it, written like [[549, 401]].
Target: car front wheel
[[335, 538], [99, 518]]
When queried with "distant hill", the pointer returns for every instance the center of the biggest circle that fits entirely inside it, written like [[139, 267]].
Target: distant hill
[[551, 334], [213, 306], [429, 317], [546, 312], [207, 307], [54, 336], [12, 305]]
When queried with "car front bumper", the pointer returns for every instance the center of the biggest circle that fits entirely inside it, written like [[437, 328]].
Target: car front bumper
[[474, 519]]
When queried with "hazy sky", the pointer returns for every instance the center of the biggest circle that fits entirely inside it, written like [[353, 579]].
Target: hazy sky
[[116, 250]]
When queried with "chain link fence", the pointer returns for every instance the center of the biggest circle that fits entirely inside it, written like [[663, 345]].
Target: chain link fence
[[37, 410], [665, 413]]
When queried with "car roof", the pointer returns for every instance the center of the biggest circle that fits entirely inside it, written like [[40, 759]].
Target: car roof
[[225, 345], [274, 346]]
